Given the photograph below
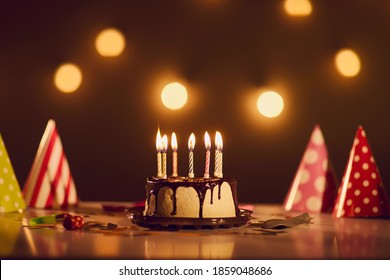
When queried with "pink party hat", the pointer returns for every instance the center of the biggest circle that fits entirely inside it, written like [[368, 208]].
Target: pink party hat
[[361, 193], [314, 186], [50, 183]]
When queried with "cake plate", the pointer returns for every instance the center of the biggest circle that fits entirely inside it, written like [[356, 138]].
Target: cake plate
[[136, 216]]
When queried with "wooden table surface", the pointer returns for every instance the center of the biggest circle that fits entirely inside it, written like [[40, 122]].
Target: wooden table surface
[[325, 237]]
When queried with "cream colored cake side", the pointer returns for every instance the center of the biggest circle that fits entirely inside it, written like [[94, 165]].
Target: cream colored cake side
[[150, 205], [188, 203], [221, 208]]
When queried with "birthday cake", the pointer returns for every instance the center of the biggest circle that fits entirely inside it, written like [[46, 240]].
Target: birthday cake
[[183, 197]]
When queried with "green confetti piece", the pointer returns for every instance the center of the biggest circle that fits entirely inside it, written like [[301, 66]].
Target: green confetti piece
[[50, 219]]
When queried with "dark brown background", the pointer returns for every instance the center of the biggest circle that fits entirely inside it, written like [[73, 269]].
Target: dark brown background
[[224, 52]]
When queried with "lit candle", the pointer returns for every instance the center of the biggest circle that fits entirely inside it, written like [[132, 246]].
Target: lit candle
[[218, 155], [174, 155], [164, 156], [159, 148], [207, 143], [191, 146]]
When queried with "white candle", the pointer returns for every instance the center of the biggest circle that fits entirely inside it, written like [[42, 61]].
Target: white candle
[[174, 155], [218, 155], [191, 146], [164, 156], [207, 143], [159, 148]]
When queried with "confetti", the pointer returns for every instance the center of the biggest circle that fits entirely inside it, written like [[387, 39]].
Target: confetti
[[73, 222]]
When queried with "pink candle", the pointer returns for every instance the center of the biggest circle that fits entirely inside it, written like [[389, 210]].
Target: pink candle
[[159, 148], [174, 155], [207, 143]]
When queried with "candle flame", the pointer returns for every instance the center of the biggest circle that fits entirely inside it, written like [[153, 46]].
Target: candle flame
[[174, 142], [218, 141], [207, 141], [191, 142], [158, 141], [164, 141]]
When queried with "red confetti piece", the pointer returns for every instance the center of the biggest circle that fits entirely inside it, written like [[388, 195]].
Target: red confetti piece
[[73, 222]]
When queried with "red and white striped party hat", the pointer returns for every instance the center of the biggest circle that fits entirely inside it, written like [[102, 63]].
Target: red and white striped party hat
[[314, 186], [361, 193], [50, 183]]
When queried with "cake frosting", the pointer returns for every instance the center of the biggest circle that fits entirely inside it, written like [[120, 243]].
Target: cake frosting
[[183, 197]]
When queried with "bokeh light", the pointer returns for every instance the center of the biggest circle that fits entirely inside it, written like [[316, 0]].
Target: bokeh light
[[270, 104], [347, 62], [298, 7], [68, 78], [174, 96], [110, 42]]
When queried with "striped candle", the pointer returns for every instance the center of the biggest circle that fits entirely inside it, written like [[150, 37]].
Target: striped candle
[[218, 155], [191, 146], [207, 144], [164, 156], [159, 148]]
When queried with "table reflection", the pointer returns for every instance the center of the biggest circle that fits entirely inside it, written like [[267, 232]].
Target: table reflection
[[361, 238], [188, 247]]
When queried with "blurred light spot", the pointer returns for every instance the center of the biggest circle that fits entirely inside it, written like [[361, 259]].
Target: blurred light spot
[[347, 62], [110, 42], [174, 96], [68, 77], [270, 104], [298, 7]]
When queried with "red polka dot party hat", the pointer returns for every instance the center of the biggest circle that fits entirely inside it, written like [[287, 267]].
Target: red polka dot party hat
[[361, 193], [314, 186]]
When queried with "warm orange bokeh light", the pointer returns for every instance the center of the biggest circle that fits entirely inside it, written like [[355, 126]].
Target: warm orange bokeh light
[[110, 42], [298, 7], [270, 104], [68, 78], [347, 62], [174, 96]]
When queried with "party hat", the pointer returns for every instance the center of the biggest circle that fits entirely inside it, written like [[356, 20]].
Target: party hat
[[361, 193], [314, 186], [10, 196], [50, 183]]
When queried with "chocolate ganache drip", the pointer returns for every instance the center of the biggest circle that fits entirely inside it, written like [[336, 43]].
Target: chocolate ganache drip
[[201, 185]]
